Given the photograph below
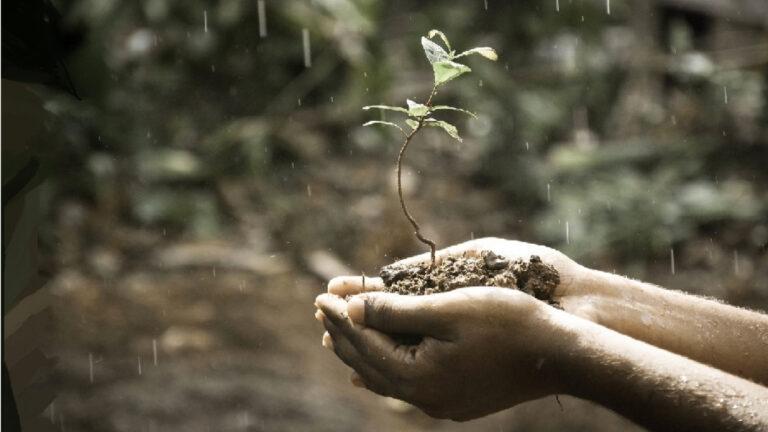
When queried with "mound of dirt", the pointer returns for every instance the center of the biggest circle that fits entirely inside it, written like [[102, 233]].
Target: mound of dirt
[[531, 276]]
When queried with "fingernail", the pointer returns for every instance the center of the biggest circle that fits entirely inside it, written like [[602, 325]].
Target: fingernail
[[319, 315], [356, 380], [327, 341], [356, 310]]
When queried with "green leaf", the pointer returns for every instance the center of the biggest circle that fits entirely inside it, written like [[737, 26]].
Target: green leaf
[[433, 33], [412, 123], [435, 53], [416, 109], [486, 52], [448, 70], [447, 127], [446, 107], [385, 123], [386, 107]]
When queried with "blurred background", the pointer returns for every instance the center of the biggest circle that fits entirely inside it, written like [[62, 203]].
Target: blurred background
[[215, 172]]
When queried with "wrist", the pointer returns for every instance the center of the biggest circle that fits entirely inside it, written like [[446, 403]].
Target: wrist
[[573, 356]]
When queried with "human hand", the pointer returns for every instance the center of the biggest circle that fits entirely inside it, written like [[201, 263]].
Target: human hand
[[573, 277], [482, 349]]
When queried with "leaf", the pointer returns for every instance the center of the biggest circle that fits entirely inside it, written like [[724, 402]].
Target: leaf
[[385, 107], [435, 53], [412, 123], [446, 107], [448, 70], [447, 127], [486, 52], [416, 109], [385, 123], [433, 33]]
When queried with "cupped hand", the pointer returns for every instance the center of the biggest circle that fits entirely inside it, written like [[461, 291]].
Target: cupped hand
[[481, 350], [573, 277]]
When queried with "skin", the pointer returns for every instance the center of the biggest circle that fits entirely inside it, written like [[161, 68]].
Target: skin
[[632, 347]]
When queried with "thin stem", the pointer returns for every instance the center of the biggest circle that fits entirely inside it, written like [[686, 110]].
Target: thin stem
[[416, 227]]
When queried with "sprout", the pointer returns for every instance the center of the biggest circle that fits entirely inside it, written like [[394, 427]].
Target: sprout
[[421, 115]]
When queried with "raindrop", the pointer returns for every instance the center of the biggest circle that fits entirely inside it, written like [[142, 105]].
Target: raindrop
[[608, 6], [139, 363], [299, 100], [261, 6], [331, 99], [486, 4], [471, 235], [90, 367], [205, 20], [725, 95], [309, 191], [53, 412], [527, 146], [736, 262], [549, 194], [480, 83], [154, 351], [672, 260], [567, 233], [307, 49], [557, 5], [213, 271]]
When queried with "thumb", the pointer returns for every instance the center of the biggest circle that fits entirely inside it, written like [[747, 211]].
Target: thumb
[[394, 313]]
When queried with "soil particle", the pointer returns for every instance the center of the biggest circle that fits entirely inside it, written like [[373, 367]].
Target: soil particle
[[531, 276]]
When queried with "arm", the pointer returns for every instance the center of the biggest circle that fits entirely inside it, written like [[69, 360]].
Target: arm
[[487, 349], [655, 388], [727, 337]]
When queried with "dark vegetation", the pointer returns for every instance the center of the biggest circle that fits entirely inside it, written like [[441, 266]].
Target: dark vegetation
[[209, 182]]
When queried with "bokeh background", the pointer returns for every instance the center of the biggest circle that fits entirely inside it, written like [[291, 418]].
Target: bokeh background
[[212, 178]]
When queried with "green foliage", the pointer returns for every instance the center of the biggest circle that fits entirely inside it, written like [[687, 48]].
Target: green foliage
[[445, 70]]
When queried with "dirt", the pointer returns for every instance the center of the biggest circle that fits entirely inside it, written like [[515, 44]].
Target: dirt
[[531, 276]]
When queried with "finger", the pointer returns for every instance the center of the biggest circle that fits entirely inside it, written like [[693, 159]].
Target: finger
[[350, 285], [319, 315], [327, 341], [356, 380], [393, 313], [468, 248], [377, 348], [372, 378]]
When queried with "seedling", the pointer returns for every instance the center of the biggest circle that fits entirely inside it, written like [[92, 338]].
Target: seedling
[[419, 116]]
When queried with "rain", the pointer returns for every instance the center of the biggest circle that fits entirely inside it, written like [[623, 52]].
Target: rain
[[261, 6], [307, 49]]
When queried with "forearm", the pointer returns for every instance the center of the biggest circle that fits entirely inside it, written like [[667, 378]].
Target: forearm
[[653, 387], [729, 338]]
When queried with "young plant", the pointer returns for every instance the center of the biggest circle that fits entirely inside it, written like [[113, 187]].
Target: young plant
[[420, 115]]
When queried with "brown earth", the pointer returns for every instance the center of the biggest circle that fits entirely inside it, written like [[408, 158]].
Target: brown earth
[[531, 276]]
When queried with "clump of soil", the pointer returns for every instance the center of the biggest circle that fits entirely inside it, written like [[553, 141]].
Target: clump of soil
[[531, 276]]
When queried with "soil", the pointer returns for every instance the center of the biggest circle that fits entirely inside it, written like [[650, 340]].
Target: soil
[[531, 276]]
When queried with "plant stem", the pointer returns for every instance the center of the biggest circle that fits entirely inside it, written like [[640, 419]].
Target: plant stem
[[416, 227]]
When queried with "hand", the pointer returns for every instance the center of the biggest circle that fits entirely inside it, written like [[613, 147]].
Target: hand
[[482, 349], [573, 277]]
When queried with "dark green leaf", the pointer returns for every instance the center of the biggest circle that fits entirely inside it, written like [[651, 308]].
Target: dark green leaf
[[448, 70], [486, 52], [447, 127], [416, 109], [433, 33], [385, 123], [435, 53], [446, 107], [412, 123], [386, 107]]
